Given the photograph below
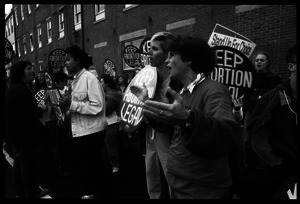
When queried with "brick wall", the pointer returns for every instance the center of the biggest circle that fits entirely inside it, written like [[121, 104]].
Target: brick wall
[[271, 27]]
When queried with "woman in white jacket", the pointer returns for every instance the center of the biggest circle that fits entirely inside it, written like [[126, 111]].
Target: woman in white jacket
[[88, 122]]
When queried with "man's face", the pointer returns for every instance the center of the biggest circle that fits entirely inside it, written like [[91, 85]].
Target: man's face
[[157, 55], [261, 62], [178, 67], [71, 64], [41, 77]]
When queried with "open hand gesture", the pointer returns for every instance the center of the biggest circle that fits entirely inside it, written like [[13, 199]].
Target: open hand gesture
[[140, 92], [174, 113]]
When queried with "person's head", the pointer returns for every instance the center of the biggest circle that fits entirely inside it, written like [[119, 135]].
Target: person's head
[[41, 76], [76, 59], [291, 59], [108, 82], [186, 52], [21, 72], [159, 48], [61, 79], [262, 62], [122, 79]]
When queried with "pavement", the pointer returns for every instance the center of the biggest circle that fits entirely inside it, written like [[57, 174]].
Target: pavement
[[128, 183]]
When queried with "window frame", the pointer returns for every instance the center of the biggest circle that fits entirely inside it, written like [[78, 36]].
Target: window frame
[[77, 16], [99, 14], [29, 9], [24, 45], [61, 21], [39, 36], [49, 30], [22, 12], [31, 41]]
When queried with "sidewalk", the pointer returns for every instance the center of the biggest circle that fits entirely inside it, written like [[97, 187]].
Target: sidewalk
[[128, 183]]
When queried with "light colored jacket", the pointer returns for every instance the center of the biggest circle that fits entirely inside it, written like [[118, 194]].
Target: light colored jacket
[[88, 105]]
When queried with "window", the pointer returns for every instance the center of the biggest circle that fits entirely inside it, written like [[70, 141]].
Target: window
[[29, 9], [16, 16], [77, 16], [18, 44], [8, 28], [39, 36], [99, 11], [22, 12], [11, 24], [61, 28], [6, 31], [24, 45], [31, 42], [129, 5], [49, 31]]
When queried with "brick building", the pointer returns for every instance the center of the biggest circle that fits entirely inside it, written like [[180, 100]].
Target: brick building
[[104, 30]]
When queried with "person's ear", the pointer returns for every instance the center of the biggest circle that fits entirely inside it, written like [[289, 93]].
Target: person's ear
[[291, 67]]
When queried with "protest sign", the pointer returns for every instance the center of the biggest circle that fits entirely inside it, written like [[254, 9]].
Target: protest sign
[[145, 47], [131, 56], [131, 109], [234, 70], [9, 52], [57, 59], [109, 67], [222, 36]]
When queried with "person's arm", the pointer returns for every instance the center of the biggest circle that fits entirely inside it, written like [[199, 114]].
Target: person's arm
[[214, 133], [90, 102], [111, 106]]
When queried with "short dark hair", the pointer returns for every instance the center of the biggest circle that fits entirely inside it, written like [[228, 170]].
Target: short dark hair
[[17, 71], [292, 52], [60, 76], [78, 54], [197, 51], [109, 80]]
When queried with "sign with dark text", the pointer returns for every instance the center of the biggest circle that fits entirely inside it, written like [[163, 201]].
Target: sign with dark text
[[9, 52], [57, 59], [233, 69], [131, 56], [131, 109], [222, 36], [144, 51]]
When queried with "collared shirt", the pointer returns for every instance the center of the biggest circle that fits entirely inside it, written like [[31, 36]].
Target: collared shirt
[[200, 77]]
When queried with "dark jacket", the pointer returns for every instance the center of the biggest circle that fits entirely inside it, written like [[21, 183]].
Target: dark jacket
[[272, 127], [22, 124]]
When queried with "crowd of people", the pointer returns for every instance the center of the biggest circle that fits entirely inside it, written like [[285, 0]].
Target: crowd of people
[[198, 142]]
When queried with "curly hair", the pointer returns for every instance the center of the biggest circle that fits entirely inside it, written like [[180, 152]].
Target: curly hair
[[196, 50], [78, 54], [17, 71]]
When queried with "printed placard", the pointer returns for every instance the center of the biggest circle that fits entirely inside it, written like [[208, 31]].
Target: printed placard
[[131, 56], [131, 109], [144, 51], [9, 52], [222, 36], [57, 59], [234, 70], [109, 67]]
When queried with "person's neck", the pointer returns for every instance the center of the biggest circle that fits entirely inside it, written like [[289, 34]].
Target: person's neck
[[188, 78], [293, 84], [163, 71]]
